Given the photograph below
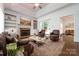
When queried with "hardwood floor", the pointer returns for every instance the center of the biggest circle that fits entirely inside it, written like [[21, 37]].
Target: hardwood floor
[[64, 47], [77, 48], [49, 48], [70, 48]]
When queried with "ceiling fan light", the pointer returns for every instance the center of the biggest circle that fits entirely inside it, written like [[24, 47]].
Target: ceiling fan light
[[36, 4]]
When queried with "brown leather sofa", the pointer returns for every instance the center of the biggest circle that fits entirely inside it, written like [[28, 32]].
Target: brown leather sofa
[[54, 36], [28, 49], [22, 43], [5, 38]]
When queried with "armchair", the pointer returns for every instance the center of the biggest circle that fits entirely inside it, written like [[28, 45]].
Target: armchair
[[54, 36], [42, 33]]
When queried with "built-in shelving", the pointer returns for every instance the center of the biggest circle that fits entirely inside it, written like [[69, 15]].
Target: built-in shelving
[[10, 21]]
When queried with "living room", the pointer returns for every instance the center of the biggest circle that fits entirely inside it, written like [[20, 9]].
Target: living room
[[37, 28]]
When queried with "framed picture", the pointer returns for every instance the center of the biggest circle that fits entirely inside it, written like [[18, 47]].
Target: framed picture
[[25, 22]]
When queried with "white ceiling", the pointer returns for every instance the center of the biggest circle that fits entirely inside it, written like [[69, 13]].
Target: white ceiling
[[25, 8], [28, 8], [31, 6], [52, 7]]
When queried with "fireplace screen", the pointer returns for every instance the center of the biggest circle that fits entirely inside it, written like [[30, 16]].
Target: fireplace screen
[[25, 32]]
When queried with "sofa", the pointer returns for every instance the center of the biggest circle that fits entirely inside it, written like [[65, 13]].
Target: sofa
[[5, 39], [28, 49]]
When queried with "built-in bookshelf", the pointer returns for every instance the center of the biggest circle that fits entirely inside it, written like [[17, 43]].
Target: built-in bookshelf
[[15, 22], [10, 21]]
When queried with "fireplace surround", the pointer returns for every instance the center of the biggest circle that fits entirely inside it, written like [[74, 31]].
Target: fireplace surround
[[24, 32]]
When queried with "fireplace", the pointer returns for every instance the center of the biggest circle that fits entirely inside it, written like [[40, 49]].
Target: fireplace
[[24, 32]]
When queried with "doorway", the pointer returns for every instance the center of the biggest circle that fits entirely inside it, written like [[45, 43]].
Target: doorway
[[68, 28]]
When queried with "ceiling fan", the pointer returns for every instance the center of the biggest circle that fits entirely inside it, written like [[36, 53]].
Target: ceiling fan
[[37, 5]]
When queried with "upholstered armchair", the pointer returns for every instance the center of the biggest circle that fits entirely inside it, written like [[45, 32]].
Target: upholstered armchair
[[42, 33], [54, 36]]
